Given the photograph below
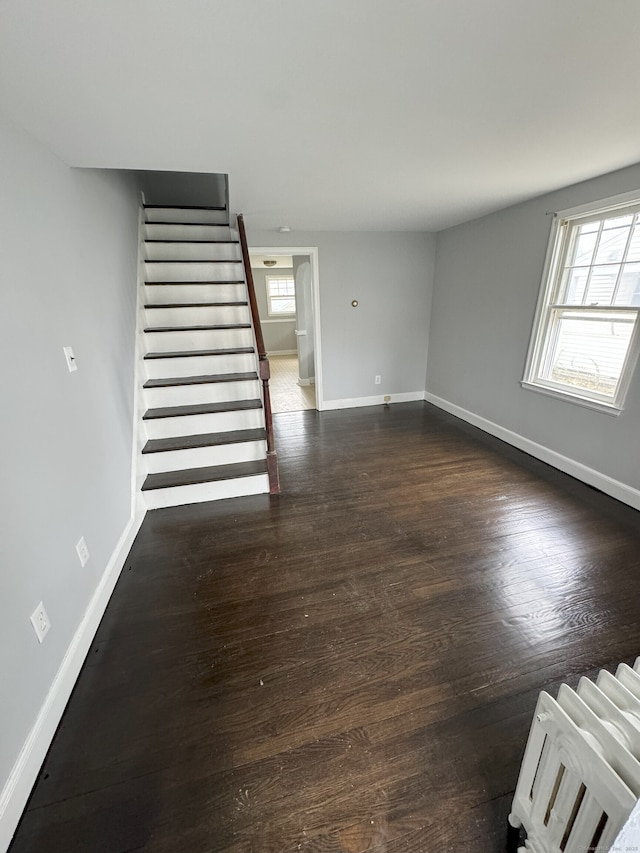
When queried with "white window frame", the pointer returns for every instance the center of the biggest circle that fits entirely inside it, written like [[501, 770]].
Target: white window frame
[[279, 314], [554, 267]]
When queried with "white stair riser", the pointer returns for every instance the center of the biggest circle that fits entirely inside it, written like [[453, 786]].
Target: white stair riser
[[196, 424], [180, 495], [159, 368], [192, 251], [173, 214], [225, 454], [175, 271], [165, 293], [184, 341], [186, 395], [188, 232], [197, 316]]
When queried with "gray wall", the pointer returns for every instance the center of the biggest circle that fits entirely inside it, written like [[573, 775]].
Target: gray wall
[[278, 336], [391, 275], [487, 279], [68, 242]]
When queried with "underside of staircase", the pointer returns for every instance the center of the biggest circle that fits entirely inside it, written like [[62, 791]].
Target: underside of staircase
[[202, 432]]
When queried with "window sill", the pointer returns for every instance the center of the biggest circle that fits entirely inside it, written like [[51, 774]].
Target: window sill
[[607, 408]]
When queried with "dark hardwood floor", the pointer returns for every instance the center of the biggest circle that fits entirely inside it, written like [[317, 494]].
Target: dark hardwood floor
[[352, 666]]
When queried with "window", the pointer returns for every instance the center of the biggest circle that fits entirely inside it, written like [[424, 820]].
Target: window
[[281, 295], [585, 339]]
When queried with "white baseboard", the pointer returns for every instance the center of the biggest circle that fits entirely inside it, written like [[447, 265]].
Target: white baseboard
[[618, 490], [17, 789], [378, 400], [304, 382], [277, 352]]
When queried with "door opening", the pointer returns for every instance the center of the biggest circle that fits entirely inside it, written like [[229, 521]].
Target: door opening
[[286, 289]]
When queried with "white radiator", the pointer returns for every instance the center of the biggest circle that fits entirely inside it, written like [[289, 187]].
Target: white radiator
[[580, 776]]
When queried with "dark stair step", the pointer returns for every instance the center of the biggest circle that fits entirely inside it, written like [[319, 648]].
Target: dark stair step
[[170, 382], [197, 224], [226, 281], [202, 409], [208, 439], [190, 353], [184, 207], [195, 304], [192, 476], [195, 242], [219, 328]]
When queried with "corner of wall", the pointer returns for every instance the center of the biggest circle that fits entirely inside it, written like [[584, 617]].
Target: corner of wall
[[17, 789], [620, 491]]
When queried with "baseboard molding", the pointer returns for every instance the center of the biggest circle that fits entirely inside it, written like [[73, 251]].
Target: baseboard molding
[[304, 382], [378, 400], [277, 352], [17, 789], [614, 488]]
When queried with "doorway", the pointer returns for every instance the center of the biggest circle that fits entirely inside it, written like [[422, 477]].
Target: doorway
[[287, 295]]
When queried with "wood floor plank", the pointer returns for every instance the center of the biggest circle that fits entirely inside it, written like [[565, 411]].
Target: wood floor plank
[[350, 667]]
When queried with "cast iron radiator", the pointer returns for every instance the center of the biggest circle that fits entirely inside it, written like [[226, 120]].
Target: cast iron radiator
[[580, 776]]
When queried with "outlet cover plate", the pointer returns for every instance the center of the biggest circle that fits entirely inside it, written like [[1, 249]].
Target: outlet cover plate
[[83, 552], [40, 622]]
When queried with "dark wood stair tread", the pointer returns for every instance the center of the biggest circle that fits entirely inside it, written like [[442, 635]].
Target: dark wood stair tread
[[226, 281], [194, 353], [217, 328], [194, 242], [193, 476], [204, 379], [195, 304], [184, 207], [208, 439], [196, 224], [202, 409]]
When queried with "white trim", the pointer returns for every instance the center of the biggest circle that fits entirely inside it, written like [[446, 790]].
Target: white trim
[[312, 252], [277, 352], [576, 399], [291, 319], [377, 400], [603, 204], [17, 789], [620, 491]]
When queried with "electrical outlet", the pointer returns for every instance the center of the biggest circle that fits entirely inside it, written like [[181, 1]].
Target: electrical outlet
[[40, 622], [71, 359], [83, 552], [378, 380]]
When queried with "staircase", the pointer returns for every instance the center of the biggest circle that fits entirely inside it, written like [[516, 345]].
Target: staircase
[[202, 431]]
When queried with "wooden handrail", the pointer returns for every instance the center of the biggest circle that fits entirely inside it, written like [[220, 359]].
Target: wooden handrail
[[253, 302], [263, 361]]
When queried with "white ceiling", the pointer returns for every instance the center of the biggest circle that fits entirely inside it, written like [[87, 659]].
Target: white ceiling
[[334, 114]]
